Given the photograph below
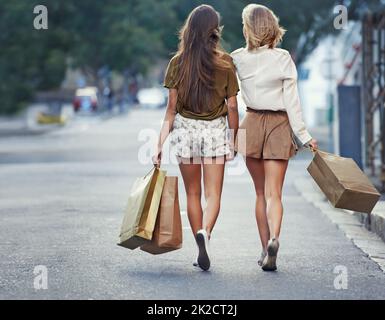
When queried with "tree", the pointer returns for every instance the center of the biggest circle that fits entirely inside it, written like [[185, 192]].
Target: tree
[[121, 34], [29, 59], [129, 36], [307, 21]]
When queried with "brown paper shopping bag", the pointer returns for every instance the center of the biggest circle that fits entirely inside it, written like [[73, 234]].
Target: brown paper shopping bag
[[343, 182], [142, 209], [167, 235]]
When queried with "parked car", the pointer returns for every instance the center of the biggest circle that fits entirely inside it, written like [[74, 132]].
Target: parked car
[[152, 98], [86, 99]]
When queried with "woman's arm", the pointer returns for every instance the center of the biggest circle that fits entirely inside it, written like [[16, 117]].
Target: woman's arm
[[167, 124], [293, 104], [232, 105], [233, 119]]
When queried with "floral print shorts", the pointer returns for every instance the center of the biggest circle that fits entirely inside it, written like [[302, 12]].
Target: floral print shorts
[[193, 138]]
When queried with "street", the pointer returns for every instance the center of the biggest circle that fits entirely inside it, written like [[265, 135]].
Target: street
[[62, 198]]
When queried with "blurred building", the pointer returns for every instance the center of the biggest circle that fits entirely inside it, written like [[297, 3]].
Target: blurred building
[[345, 90]]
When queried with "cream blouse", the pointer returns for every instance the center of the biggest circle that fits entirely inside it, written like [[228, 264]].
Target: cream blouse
[[268, 80]]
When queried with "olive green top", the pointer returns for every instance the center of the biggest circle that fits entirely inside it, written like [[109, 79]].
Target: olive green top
[[226, 86]]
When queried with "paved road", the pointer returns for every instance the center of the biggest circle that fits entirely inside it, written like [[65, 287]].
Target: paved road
[[62, 195]]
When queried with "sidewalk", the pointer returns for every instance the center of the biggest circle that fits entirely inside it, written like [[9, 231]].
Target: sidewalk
[[353, 224], [375, 222], [10, 126]]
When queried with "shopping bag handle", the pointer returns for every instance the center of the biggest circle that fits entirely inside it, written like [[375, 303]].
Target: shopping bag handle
[[157, 166], [313, 151], [152, 169]]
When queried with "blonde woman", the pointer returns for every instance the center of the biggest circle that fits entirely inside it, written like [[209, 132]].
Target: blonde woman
[[268, 78]]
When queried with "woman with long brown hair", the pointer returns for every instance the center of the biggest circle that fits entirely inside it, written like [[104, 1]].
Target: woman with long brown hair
[[268, 79], [202, 91]]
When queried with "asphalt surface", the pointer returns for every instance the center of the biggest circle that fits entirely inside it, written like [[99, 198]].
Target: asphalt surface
[[62, 197]]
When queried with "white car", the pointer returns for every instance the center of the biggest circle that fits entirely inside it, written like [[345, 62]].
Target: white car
[[152, 98]]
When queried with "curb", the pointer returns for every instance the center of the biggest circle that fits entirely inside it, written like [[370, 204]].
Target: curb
[[355, 225], [23, 132], [374, 222]]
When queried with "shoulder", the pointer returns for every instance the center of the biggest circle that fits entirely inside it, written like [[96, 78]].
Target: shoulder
[[172, 66], [282, 54], [237, 53], [281, 51], [283, 58], [174, 60], [227, 57], [285, 61], [229, 62]]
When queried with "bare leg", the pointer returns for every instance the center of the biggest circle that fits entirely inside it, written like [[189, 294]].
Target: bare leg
[[275, 171], [191, 174], [257, 172], [213, 172]]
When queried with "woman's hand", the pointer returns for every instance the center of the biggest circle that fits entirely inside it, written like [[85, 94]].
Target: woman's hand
[[157, 158], [313, 144], [232, 155]]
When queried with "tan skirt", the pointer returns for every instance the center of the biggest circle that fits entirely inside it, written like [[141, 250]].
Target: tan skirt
[[265, 134]]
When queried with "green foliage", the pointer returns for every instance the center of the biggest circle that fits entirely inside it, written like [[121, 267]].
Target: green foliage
[[29, 59], [126, 35]]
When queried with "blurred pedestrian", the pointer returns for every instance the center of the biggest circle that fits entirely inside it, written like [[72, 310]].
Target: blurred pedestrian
[[202, 91], [109, 98], [268, 78]]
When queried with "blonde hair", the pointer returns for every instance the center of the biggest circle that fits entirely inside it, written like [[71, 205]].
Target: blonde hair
[[261, 27]]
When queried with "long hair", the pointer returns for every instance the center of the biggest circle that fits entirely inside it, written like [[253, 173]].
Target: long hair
[[199, 56]]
